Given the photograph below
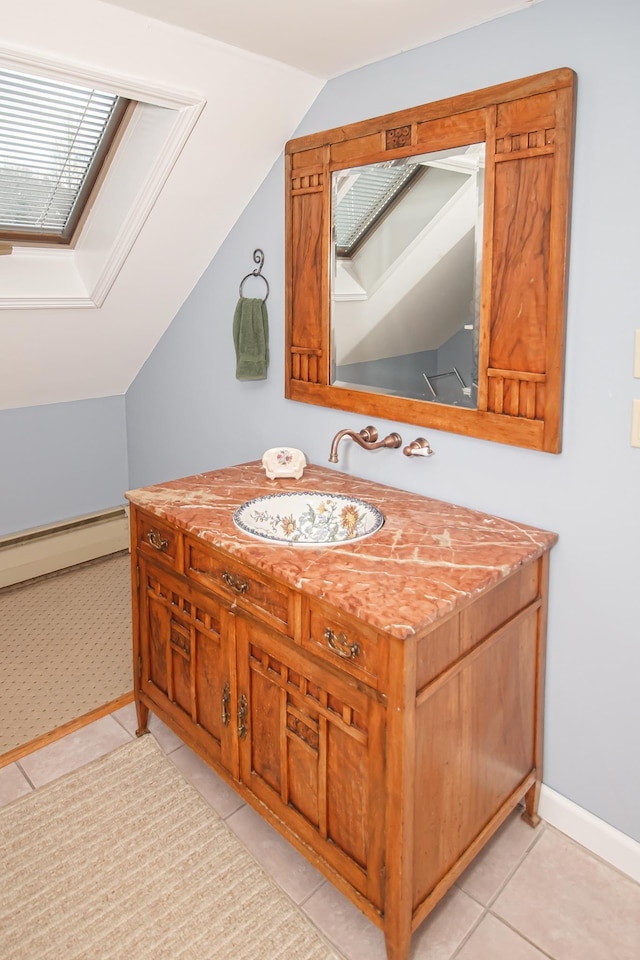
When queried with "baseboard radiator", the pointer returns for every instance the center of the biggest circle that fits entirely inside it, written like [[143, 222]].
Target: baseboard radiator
[[43, 550]]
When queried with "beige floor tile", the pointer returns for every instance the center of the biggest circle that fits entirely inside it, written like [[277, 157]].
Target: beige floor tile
[[572, 905], [287, 867], [446, 927], [359, 939], [166, 739], [492, 940], [497, 861], [13, 784], [73, 751], [356, 937], [219, 794]]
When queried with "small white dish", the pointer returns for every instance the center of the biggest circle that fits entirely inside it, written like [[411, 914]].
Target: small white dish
[[284, 462]]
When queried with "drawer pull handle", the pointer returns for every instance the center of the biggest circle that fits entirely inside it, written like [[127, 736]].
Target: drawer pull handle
[[339, 643], [233, 581], [156, 540], [226, 700], [242, 717]]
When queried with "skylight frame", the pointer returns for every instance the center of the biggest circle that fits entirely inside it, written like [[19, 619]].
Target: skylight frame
[[38, 106]]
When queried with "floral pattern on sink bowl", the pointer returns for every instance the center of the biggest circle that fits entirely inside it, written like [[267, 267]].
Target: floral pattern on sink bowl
[[308, 518]]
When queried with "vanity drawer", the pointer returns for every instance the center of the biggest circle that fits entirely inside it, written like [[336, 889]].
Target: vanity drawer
[[159, 540], [266, 599], [353, 646]]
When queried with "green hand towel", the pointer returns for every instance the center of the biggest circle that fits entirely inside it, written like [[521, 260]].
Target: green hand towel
[[251, 339]]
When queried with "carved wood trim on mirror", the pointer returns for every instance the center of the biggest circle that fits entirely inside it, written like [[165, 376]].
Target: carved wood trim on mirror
[[527, 130]]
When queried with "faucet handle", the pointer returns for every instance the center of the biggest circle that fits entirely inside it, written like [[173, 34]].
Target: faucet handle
[[418, 448]]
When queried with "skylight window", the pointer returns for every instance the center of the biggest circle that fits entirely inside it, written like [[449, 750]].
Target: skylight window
[[54, 138]]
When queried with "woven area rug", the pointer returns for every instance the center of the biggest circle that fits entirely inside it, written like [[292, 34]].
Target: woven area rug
[[124, 860], [65, 648]]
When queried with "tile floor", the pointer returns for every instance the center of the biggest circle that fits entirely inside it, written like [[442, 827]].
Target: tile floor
[[530, 895]]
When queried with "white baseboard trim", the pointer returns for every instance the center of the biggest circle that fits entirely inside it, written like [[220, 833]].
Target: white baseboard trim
[[36, 552], [596, 835]]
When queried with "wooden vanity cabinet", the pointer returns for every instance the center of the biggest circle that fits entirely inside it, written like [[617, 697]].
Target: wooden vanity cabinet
[[387, 762]]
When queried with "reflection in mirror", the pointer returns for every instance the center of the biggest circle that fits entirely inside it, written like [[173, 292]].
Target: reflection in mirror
[[406, 259]]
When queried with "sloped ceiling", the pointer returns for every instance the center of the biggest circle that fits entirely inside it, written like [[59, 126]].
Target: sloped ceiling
[[217, 54], [328, 38]]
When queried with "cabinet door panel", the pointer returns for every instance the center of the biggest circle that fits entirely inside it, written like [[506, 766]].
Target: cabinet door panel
[[314, 753], [185, 661], [303, 741], [181, 665], [347, 803], [210, 678], [264, 725], [154, 652]]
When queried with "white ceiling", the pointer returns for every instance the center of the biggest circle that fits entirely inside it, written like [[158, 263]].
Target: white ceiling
[[328, 38], [285, 49]]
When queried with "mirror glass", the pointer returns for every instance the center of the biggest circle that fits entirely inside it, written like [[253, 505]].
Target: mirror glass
[[406, 269]]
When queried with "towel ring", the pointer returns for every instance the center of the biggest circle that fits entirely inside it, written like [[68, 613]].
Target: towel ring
[[258, 257]]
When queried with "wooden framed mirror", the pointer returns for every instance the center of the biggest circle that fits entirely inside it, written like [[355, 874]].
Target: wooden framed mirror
[[436, 297]]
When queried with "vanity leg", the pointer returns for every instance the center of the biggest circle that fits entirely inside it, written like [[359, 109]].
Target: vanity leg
[[531, 799], [400, 799], [398, 944], [142, 710], [532, 796]]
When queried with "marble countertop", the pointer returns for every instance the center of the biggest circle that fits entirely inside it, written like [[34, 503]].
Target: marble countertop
[[429, 558]]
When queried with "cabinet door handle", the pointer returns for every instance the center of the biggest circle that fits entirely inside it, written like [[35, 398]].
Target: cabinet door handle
[[339, 643], [226, 700], [233, 580], [156, 540], [242, 717]]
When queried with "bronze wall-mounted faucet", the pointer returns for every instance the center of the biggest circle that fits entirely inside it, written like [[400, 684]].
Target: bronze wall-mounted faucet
[[367, 438]]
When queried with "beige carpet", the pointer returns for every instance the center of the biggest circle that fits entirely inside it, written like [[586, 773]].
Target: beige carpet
[[124, 860], [65, 648]]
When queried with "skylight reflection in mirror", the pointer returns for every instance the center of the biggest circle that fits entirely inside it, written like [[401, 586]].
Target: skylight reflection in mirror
[[362, 196]]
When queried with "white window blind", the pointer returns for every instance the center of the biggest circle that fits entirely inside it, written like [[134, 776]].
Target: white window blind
[[368, 192], [53, 139]]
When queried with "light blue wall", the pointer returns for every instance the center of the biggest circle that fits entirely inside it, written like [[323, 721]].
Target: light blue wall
[[186, 412], [60, 461]]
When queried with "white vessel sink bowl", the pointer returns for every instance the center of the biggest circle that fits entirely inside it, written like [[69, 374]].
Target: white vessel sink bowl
[[308, 518]]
